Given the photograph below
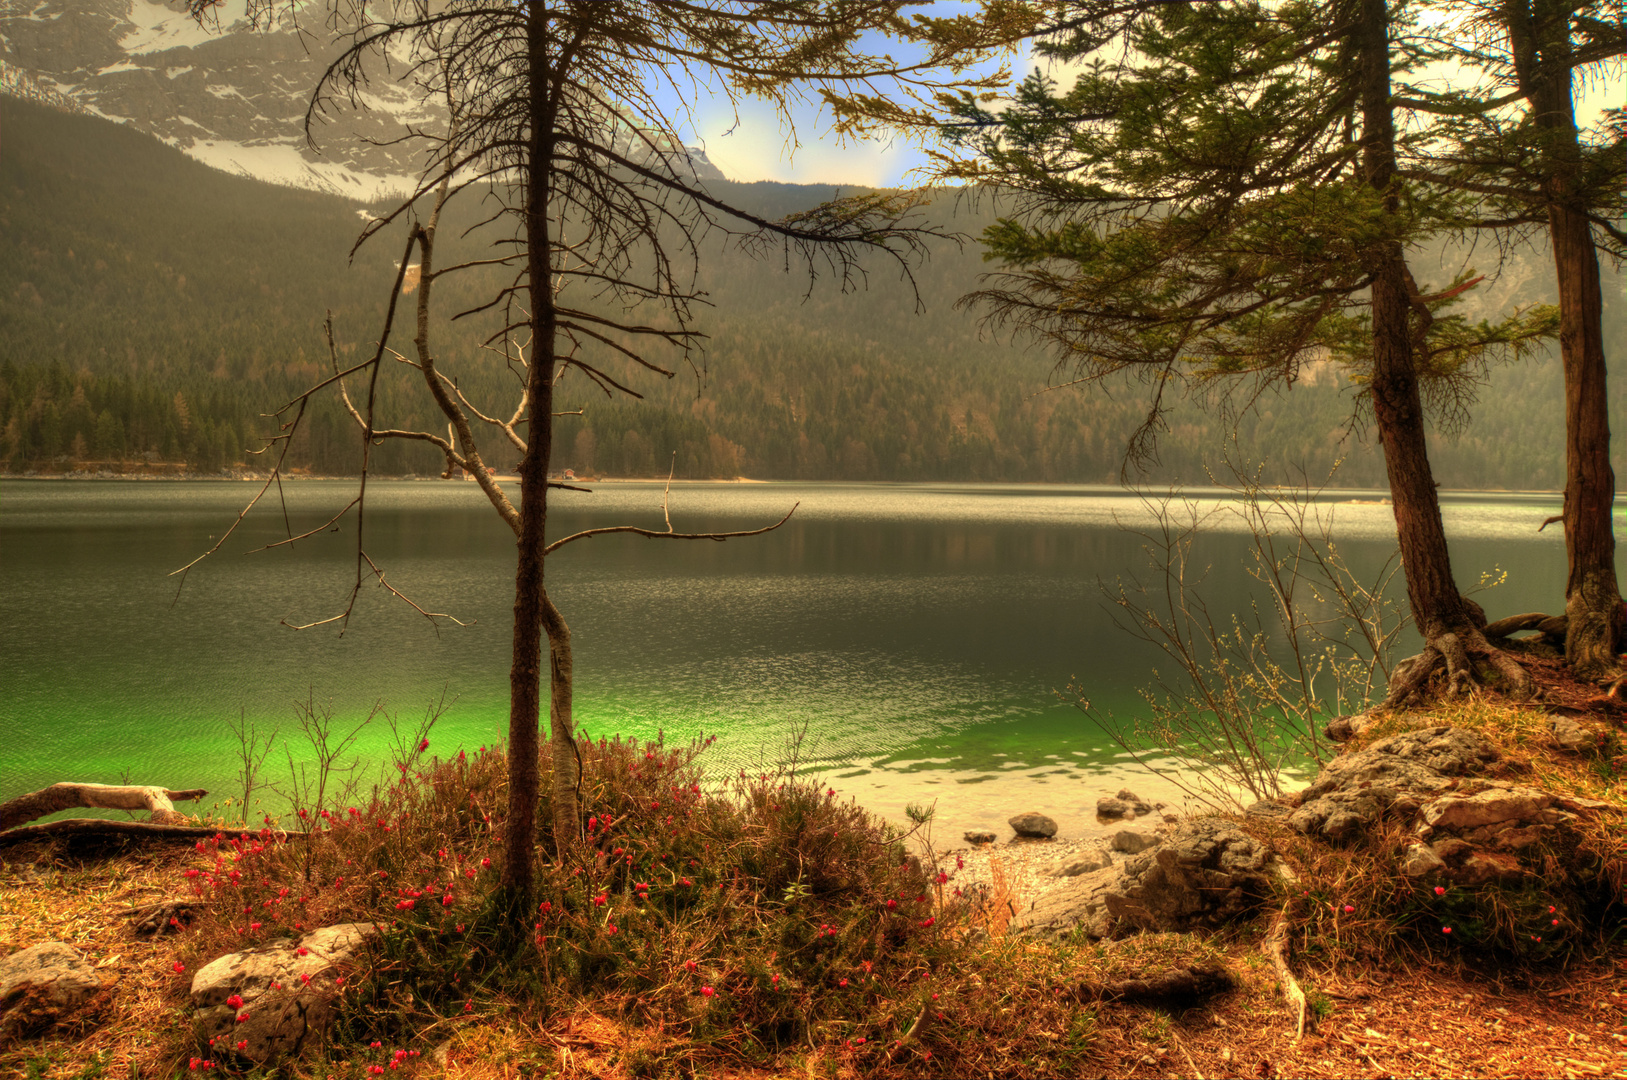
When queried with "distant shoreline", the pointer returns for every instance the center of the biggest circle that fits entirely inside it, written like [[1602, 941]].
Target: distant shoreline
[[510, 478]]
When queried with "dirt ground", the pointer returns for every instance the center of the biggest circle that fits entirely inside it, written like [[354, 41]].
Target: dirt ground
[[1393, 1021]]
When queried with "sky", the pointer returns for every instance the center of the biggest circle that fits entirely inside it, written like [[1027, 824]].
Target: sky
[[748, 141]]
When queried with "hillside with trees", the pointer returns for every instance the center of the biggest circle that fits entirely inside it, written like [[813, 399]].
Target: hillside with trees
[[129, 333]]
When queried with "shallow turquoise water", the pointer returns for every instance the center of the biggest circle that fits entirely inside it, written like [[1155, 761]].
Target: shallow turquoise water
[[919, 633]]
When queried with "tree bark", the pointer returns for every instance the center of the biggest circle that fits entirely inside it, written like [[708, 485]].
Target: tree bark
[[1540, 43], [1438, 609], [159, 802], [532, 608]]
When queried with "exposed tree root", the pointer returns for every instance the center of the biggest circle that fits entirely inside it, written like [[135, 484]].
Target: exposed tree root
[[1193, 981], [1457, 650], [98, 827], [1276, 950], [163, 916]]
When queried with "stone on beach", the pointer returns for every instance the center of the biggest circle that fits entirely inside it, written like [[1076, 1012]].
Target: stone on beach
[[1033, 825]]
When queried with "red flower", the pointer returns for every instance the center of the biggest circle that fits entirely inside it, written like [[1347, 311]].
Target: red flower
[[423, 746], [689, 965], [1439, 891], [707, 991], [1446, 929], [242, 1017], [1350, 909], [235, 1001], [242, 1045], [842, 982], [179, 967]]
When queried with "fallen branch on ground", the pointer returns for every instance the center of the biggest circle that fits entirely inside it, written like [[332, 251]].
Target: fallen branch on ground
[[159, 802], [1276, 949]]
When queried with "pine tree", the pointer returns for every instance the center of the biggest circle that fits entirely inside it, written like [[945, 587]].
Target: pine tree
[[1217, 198]]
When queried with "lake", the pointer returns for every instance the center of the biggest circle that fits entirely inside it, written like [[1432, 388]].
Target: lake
[[920, 633]]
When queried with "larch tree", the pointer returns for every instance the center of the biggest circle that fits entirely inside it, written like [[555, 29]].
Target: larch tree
[[566, 117], [1217, 197], [1513, 141]]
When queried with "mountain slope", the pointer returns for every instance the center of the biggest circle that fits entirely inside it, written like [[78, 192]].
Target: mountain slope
[[157, 308]]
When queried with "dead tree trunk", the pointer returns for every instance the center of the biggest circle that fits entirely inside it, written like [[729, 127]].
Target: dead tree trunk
[[159, 802], [1439, 611], [1540, 44], [534, 613]]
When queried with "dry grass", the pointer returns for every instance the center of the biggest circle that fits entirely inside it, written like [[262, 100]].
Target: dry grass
[[1395, 1000]]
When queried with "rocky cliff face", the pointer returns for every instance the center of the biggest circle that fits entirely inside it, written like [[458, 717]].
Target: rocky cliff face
[[230, 94]]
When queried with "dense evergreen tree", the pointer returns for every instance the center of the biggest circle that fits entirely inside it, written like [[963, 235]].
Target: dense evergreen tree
[[1223, 201]]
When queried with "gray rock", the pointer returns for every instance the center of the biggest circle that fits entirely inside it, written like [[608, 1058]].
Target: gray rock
[[1421, 862], [287, 991], [1206, 872], [979, 836], [1086, 860], [1132, 841], [44, 986], [1077, 904], [1569, 735], [1108, 807], [1130, 798], [1034, 825]]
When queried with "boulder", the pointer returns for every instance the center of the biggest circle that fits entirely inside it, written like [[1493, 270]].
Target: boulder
[[1203, 873], [1109, 807], [1132, 841], [1033, 825], [273, 1002], [1086, 860], [1569, 735], [46, 986], [979, 836]]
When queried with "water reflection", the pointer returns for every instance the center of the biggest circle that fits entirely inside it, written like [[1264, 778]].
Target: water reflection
[[918, 634]]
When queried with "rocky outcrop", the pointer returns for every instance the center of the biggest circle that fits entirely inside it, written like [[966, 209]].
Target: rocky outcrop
[[980, 836], [1033, 825], [1465, 828], [46, 986], [1086, 860], [271, 1003], [1204, 872]]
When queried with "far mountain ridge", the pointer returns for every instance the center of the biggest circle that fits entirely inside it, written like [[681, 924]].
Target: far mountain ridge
[[225, 92], [127, 327]]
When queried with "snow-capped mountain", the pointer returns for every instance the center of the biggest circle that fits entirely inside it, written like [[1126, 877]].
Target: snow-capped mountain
[[228, 93]]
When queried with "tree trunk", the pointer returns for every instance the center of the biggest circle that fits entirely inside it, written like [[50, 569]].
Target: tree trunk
[[1541, 47], [532, 607], [1438, 609]]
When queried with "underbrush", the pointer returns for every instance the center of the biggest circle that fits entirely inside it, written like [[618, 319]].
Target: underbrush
[[737, 927], [1359, 904]]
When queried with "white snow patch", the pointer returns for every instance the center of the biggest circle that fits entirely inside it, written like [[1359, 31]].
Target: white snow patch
[[176, 73], [155, 28], [225, 91], [282, 163], [122, 65]]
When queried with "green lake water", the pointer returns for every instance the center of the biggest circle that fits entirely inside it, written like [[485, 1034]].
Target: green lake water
[[920, 633]]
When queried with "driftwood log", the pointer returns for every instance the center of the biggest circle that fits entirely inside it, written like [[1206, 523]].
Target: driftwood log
[[159, 802]]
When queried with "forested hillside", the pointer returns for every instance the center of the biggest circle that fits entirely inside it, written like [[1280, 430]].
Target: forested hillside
[[152, 310]]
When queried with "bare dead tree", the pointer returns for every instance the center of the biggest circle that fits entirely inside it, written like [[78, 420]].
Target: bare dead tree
[[565, 116]]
